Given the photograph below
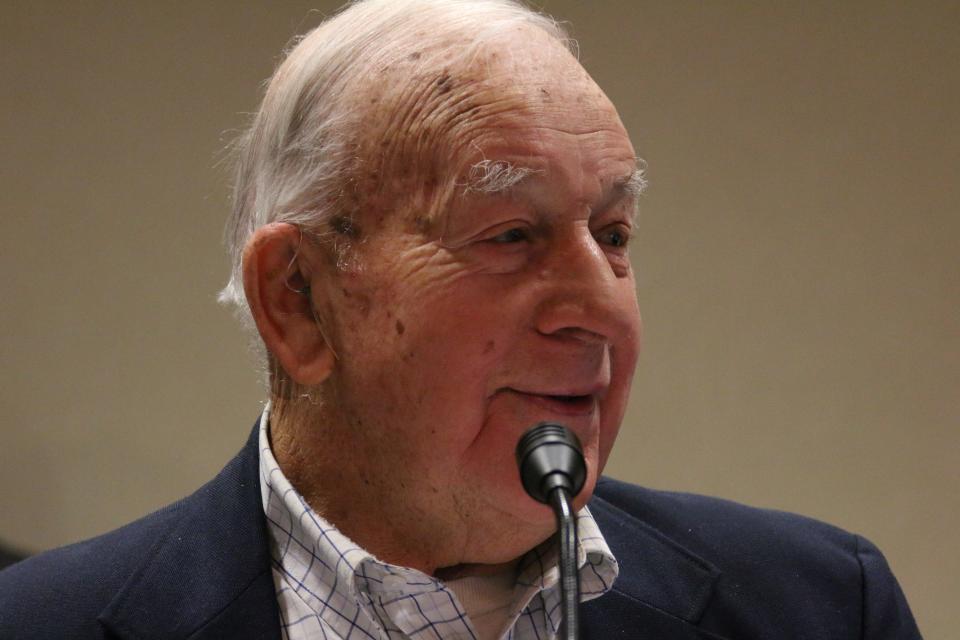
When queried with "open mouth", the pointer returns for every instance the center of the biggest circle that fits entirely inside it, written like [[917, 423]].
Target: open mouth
[[565, 404], [559, 404], [570, 399]]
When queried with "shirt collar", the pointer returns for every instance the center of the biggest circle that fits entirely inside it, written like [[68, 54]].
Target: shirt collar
[[339, 580]]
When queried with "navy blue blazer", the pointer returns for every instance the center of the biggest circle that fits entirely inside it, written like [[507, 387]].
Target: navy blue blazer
[[691, 568]]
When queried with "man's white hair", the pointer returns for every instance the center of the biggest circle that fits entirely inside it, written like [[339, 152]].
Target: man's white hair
[[293, 161]]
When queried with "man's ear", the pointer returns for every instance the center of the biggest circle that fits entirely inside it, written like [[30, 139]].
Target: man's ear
[[279, 295]]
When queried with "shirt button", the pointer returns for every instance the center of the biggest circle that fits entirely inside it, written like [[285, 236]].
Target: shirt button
[[394, 582]]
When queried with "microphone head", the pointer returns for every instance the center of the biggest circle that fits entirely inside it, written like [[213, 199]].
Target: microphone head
[[549, 456]]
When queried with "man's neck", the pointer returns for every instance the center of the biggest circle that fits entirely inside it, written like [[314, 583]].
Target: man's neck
[[362, 506]]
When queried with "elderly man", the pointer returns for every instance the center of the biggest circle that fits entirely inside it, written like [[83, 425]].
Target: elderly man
[[430, 231]]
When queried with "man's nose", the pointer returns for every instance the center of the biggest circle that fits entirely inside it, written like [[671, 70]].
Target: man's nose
[[586, 297]]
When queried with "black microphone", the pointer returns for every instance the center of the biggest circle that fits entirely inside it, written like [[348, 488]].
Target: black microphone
[[553, 471]]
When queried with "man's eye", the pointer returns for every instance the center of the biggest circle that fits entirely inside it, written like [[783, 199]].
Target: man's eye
[[616, 236], [509, 236]]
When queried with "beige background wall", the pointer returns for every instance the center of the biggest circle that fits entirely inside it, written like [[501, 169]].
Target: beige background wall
[[798, 259]]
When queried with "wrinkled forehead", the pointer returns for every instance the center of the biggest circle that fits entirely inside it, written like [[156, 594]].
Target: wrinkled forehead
[[435, 118]]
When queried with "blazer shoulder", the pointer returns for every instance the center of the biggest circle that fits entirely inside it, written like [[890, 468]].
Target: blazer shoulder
[[60, 593], [795, 571], [64, 589], [715, 524]]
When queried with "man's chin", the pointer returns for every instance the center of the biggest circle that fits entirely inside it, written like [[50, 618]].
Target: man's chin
[[502, 522], [517, 531], [533, 514], [508, 547]]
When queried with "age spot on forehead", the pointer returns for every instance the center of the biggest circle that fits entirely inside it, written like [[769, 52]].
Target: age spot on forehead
[[444, 83], [345, 226]]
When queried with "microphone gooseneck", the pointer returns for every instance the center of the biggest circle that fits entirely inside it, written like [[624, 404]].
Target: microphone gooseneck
[[553, 471]]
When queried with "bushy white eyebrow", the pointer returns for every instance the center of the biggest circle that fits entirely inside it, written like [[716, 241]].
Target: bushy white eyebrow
[[636, 183], [497, 177], [493, 177]]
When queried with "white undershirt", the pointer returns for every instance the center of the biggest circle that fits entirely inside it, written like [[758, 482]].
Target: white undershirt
[[487, 601]]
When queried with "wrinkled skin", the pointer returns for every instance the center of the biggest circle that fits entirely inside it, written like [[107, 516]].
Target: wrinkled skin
[[458, 319]]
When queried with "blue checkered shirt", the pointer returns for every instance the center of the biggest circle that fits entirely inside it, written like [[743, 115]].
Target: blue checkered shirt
[[328, 587]]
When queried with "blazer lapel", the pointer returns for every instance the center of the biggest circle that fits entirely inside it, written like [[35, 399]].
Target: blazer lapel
[[209, 576], [662, 590]]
